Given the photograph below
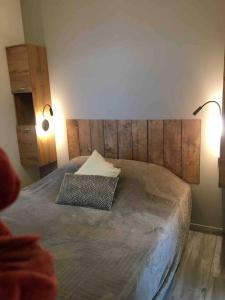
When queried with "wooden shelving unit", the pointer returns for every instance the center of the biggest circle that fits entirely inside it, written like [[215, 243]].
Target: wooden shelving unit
[[28, 71]]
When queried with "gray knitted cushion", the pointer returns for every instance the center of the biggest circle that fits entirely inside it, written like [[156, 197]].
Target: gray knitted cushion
[[87, 190]]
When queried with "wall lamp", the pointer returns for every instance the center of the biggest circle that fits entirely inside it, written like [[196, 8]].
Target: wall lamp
[[45, 122], [200, 107]]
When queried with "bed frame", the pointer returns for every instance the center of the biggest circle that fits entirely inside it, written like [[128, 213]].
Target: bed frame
[[174, 144]]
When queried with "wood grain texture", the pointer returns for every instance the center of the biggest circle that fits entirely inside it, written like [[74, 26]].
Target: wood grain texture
[[28, 147], [199, 275], [125, 139], [194, 271], [221, 162], [139, 140], [191, 150], [28, 71], [216, 290], [97, 136], [73, 138], [172, 146], [38, 68], [218, 265], [155, 141], [19, 70], [84, 137], [111, 138]]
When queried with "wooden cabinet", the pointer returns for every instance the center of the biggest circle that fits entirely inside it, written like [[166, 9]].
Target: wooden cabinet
[[29, 79], [28, 146], [19, 70]]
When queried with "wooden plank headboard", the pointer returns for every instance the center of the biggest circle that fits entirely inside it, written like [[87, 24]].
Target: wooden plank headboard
[[174, 144]]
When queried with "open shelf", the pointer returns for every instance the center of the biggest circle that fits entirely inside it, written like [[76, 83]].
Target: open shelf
[[24, 109]]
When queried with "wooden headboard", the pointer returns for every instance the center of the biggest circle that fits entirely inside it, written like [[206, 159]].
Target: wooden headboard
[[174, 144]]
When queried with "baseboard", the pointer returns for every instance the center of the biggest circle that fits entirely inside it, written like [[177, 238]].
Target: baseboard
[[207, 229]]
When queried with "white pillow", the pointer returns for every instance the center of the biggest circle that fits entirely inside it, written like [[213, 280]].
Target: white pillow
[[97, 165]]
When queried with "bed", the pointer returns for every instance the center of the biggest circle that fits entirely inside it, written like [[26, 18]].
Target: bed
[[130, 252], [133, 250]]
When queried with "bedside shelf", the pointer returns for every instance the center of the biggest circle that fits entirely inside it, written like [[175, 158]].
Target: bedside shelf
[[24, 109], [28, 72]]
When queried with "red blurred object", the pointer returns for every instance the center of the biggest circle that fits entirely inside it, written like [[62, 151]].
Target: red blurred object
[[26, 269]]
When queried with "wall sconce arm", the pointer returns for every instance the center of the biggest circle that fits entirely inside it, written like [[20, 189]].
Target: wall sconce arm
[[211, 101]]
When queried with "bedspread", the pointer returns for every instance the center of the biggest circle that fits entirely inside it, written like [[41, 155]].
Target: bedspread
[[130, 252]]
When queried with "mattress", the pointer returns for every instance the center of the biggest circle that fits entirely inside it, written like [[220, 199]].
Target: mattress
[[130, 252]]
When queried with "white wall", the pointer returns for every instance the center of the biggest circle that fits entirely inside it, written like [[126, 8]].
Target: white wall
[[138, 59], [11, 33]]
